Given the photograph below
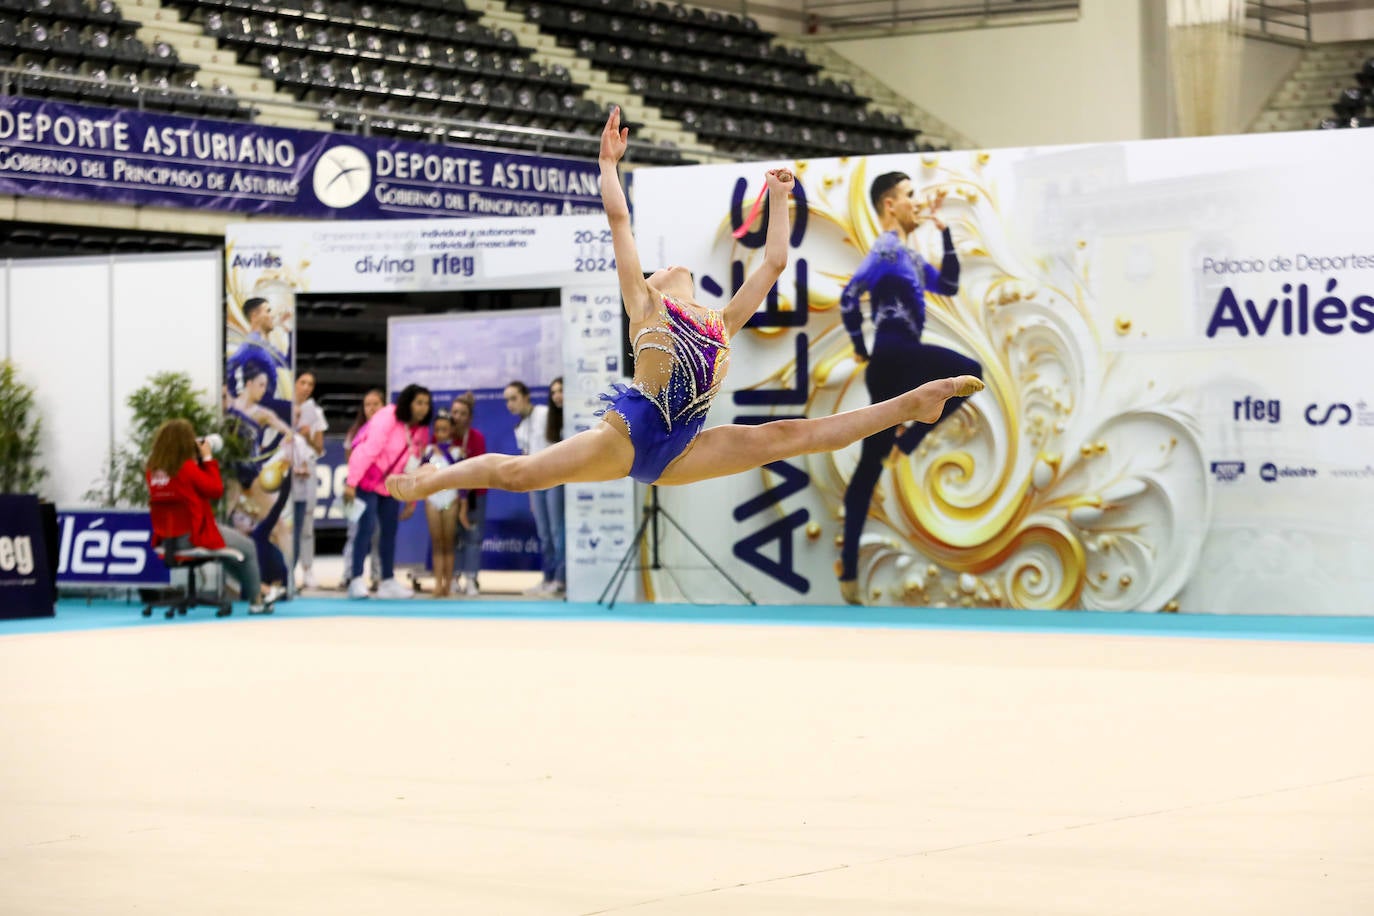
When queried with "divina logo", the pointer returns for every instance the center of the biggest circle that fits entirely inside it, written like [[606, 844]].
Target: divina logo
[[262, 260], [1270, 472], [371, 265]]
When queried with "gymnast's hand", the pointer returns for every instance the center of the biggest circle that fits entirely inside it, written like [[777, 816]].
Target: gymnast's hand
[[614, 138], [935, 201], [780, 180]]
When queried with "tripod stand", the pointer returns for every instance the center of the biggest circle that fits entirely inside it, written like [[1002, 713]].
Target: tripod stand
[[652, 511]]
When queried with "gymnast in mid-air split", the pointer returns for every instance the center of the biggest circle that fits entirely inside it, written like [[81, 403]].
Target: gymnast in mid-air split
[[651, 430]]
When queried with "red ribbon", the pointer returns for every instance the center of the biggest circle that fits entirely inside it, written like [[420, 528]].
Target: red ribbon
[[753, 213]]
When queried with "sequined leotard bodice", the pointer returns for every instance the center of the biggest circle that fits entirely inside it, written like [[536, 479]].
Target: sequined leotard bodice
[[680, 360]]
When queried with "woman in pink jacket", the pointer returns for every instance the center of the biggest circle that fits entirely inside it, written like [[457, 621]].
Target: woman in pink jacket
[[390, 443]]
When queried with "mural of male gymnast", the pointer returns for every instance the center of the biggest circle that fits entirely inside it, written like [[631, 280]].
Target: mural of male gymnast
[[256, 348], [895, 279]]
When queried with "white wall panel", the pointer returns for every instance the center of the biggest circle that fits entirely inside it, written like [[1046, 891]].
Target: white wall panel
[[85, 332], [167, 318], [60, 339]]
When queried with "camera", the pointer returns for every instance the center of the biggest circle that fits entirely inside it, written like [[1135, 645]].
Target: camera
[[215, 441]]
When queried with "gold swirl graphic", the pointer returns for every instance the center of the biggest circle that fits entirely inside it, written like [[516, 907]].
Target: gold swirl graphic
[[1031, 584]]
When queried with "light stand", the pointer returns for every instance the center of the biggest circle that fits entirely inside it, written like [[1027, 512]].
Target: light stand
[[652, 512]]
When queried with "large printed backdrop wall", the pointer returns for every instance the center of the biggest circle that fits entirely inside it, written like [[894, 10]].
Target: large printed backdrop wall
[[1176, 338]]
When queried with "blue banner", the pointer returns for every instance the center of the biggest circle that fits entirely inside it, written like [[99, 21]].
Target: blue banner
[[331, 474], [107, 155], [509, 539], [25, 586], [107, 547]]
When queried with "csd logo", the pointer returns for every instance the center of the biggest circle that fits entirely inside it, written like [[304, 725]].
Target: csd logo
[[1316, 415]]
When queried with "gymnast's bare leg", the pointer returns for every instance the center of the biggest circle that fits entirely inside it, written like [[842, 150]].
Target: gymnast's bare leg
[[723, 450], [604, 453], [600, 453]]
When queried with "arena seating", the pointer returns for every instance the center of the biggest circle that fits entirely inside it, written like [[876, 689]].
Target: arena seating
[[721, 77], [1354, 106], [67, 49], [404, 68], [401, 68]]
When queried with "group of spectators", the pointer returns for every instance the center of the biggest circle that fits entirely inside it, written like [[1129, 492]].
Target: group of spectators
[[384, 439], [397, 438]]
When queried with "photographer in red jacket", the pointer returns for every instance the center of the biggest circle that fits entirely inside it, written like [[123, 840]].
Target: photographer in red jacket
[[183, 477]]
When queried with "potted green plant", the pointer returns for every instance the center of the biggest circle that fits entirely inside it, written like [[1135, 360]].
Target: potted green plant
[[20, 428], [165, 396]]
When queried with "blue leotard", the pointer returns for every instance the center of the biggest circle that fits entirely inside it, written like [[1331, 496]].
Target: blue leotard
[[679, 363]]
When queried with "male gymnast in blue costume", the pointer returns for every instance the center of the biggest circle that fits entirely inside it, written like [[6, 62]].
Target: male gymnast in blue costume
[[256, 348], [652, 428], [895, 279]]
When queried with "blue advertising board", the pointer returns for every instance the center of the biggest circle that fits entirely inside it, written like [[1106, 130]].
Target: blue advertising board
[[80, 152], [107, 548], [25, 586]]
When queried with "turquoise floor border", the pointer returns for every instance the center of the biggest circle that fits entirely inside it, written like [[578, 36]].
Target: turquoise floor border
[[75, 614]]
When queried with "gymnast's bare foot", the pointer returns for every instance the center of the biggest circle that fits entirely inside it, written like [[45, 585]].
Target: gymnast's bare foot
[[930, 398], [410, 487]]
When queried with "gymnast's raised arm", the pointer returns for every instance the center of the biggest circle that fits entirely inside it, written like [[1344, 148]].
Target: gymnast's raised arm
[[633, 289], [746, 302]]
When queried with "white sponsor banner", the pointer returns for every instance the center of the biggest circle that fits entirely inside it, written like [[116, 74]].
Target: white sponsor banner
[[599, 517], [1176, 338], [425, 254], [474, 350]]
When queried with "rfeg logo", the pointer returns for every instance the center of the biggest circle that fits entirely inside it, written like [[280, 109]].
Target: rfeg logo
[[16, 554], [343, 175]]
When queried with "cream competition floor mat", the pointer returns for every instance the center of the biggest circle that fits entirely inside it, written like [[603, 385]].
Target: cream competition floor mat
[[419, 765]]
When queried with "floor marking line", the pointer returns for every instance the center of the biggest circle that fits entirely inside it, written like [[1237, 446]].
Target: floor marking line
[[991, 842]]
